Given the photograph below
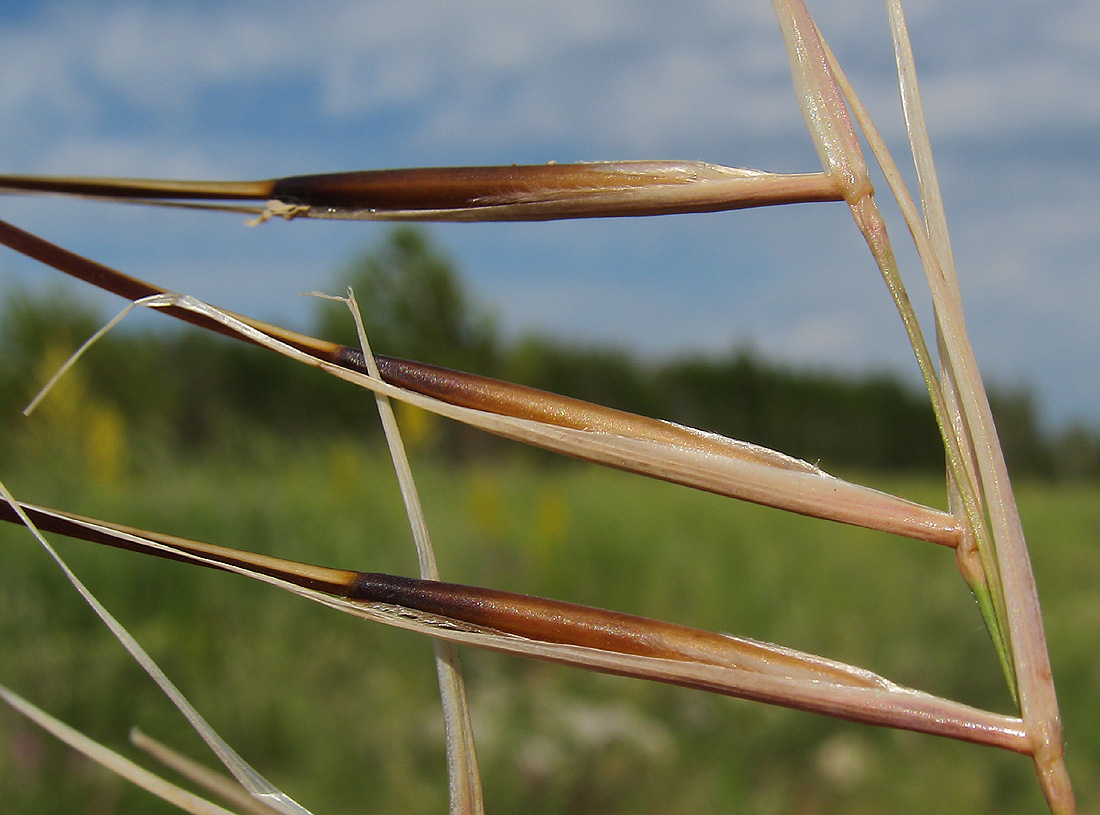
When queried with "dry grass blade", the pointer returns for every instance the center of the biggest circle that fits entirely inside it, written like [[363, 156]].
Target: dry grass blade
[[1037, 695], [463, 773], [223, 786], [187, 801]]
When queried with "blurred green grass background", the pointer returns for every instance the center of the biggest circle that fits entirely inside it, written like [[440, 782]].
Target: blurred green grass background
[[344, 715]]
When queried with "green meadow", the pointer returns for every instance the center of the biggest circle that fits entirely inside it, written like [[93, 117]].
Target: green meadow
[[344, 715]]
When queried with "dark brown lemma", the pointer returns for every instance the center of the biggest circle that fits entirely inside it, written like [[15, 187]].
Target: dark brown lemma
[[431, 188]]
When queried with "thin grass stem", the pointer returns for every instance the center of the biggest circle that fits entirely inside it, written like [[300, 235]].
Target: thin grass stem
[[115, 762], [463, 774], [223, 786]]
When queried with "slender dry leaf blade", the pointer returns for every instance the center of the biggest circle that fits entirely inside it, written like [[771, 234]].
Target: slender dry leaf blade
[[223, 786], [116, 763], [462, 767]]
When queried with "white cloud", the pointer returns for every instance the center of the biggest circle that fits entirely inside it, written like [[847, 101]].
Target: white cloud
[[568, 62]]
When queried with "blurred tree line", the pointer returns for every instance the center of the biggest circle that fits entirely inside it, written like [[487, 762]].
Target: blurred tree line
[[194, 391]]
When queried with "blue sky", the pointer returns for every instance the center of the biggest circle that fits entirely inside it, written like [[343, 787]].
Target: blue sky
[[262, 89]]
